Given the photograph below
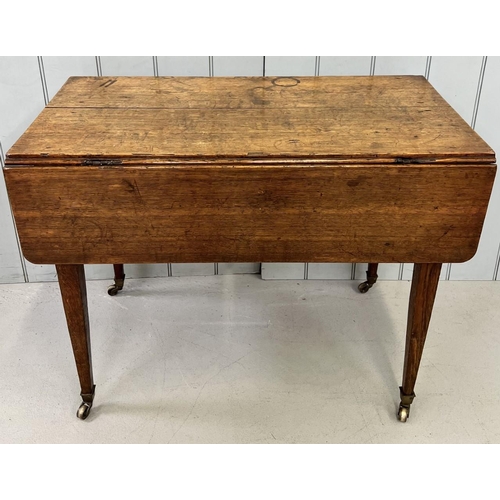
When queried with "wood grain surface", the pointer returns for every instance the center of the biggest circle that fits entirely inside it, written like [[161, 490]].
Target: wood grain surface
[[378, 213], [423, 292], [153, 120], [74, 297]]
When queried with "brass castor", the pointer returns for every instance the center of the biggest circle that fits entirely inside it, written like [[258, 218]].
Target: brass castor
[[113, 289], [84, 410], [403, 413], [404, 405], [364, 287]]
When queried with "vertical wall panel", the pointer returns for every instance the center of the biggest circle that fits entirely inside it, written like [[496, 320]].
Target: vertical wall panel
[[456, 79], [11, 270], [238, 66], [238, 268], [336, 271], [183, 65], [59, 68], [283, 271], [400, 65], [344, 66], [483, 266], [105, 271], [21, 99], [290, 66], [127, 66], [193, 269]]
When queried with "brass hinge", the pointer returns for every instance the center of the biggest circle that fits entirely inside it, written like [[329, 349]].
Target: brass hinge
[[101, 162], [415, 160]]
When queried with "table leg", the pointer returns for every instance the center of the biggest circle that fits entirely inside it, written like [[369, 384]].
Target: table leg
[[371, 278], [74, 296], [423, 291], [119, 279]]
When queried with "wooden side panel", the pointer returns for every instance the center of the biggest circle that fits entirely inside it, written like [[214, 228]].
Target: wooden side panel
[[250, 214]]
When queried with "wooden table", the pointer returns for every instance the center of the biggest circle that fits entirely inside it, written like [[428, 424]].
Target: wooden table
[[325, 169]]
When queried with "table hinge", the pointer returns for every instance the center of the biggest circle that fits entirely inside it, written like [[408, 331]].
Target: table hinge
[[101, 162], [256, 154], [415, 160]]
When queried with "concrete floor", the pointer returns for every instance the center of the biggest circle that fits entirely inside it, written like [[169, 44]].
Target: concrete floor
[[235, 359]]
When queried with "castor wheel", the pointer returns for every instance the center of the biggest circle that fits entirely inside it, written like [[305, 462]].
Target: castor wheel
[[84, 410], [403, 413], [364, 287], [113, 290], [117, 286]]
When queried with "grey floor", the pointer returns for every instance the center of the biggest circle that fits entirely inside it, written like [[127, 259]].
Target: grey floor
[[236, 359]]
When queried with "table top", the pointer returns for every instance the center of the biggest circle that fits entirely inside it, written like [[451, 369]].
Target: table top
[[163, 120], [323, 169]]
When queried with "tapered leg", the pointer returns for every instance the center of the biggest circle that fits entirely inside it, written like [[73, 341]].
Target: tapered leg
[[74, 296], [119, 279], [423, 291], [371, 278]]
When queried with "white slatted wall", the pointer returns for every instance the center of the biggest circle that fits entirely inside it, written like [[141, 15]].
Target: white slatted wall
[[470, 84]]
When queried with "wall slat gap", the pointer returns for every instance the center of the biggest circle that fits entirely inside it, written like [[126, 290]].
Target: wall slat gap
[[98, 65]]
